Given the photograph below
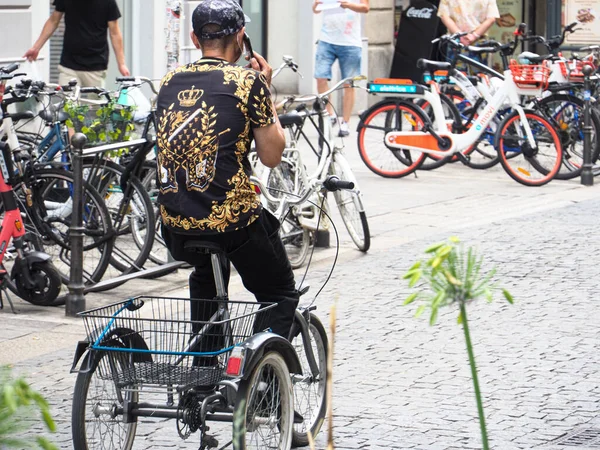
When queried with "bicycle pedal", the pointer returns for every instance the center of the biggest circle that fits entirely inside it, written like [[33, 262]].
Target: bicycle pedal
[[208, 442]]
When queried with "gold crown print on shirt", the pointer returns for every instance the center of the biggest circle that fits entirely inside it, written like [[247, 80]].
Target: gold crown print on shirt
[[190, 97]]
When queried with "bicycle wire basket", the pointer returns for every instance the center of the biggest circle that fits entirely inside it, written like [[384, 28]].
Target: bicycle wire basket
[[573, 70], [154, 341], [102, 123], [530, 76]]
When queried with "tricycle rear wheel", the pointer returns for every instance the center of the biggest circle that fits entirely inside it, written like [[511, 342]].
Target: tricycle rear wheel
[[98, 402], [264, 409]]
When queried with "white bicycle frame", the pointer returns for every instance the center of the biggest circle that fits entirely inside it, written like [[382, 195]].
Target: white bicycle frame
[[508, 93], [310, 183]]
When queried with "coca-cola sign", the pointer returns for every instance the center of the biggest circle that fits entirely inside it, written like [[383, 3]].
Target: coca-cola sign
[[419, 13]]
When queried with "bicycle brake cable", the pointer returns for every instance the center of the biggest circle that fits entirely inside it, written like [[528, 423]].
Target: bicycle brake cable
[[337, 242]]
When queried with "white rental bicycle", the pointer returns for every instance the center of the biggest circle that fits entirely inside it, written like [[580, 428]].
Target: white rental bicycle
[[290, 181], [529, 147]]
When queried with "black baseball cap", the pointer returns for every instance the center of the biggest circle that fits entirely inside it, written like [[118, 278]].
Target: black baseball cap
[[227, 14]]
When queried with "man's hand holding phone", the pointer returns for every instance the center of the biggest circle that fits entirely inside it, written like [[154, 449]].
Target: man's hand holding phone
[[260, 64]]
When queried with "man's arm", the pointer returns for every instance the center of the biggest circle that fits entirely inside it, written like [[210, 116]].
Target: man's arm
[[484, 27], [450, 24], [270, 142], [49, 28], [269, 139], [314, 7], [362, 7], [117, 42]]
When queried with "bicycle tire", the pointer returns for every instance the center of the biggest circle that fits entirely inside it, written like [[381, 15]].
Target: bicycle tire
[[269, 383], [519, 161], [297, 239], [315, 389], [402, 161], [82, 404], [135, 237], [51, 220], [572, 164], [350, 204], [48, 293]]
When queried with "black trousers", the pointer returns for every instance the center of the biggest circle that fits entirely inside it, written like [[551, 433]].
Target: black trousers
[[260, 258]]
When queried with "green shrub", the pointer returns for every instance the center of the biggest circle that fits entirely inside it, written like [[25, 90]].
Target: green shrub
[[19, 404]]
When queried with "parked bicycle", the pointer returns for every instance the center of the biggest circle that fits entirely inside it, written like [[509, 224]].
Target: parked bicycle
[[33, 276], [291, 179]]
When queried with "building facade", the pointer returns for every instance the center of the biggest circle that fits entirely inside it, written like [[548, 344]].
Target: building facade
[[278, 27]]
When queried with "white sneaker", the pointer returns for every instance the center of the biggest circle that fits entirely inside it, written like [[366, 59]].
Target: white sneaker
[[344, 129]]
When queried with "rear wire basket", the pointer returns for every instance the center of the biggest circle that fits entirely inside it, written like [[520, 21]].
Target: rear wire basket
[[530, 76], [143, 341], [573, 70]]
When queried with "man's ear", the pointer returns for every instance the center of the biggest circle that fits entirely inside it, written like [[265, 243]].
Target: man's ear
[[240, 37], [195, 40]]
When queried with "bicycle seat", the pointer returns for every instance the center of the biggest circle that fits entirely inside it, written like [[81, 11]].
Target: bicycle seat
[[432, 66], [20, 115], [289, 119], [53, 116], [206, 247], [538, 59]]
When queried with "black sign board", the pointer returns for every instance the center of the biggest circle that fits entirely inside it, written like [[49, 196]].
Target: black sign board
[[418, 27]]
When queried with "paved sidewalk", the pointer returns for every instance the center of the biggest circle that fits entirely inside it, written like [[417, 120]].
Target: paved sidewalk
[[398, 382]]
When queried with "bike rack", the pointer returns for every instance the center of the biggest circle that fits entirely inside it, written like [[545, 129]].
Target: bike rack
[[75, 300]]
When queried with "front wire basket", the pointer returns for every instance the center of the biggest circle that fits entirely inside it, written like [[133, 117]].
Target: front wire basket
[[150, 340], [530, 76]]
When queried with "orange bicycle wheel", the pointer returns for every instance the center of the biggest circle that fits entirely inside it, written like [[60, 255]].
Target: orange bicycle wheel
[[531, 166], [374, 150]]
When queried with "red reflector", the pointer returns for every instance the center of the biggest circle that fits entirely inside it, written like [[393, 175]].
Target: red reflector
[[234, 366], [256, 189]]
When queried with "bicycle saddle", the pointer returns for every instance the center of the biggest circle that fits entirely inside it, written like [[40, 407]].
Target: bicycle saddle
[[291, 118], [533, 58], [20, 115], [432, 66], [52, 116], [206, 247]]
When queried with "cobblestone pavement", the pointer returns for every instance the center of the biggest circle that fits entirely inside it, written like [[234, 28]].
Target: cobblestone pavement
[[400, 383]]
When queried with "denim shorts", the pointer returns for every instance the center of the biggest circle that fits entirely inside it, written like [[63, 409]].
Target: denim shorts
[[348, 57]]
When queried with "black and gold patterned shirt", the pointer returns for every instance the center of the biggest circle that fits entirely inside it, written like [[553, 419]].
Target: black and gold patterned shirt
[[205, 115]]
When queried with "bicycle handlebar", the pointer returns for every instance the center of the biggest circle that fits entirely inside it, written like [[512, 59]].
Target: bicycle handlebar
[[331, 183], [449, 37], [10, 68], [289, 62], [312, 97], [138, 81]]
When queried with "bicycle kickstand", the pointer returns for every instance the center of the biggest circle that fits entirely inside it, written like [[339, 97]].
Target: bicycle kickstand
[[3, 290]]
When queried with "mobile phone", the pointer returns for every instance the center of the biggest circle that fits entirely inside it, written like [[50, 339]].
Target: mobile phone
[[248, 47]]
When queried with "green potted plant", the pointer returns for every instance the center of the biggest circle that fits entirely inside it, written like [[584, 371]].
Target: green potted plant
[[18, 403], [452, 275]]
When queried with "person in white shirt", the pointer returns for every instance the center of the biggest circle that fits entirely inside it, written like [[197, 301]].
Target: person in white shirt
[[472, 16], [340, 39]]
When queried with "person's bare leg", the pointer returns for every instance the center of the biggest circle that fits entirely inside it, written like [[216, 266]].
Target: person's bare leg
[[323, 86], [349, 96]]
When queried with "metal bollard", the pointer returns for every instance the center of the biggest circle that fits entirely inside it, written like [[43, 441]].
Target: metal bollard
[[587, 176], [76, 299]]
